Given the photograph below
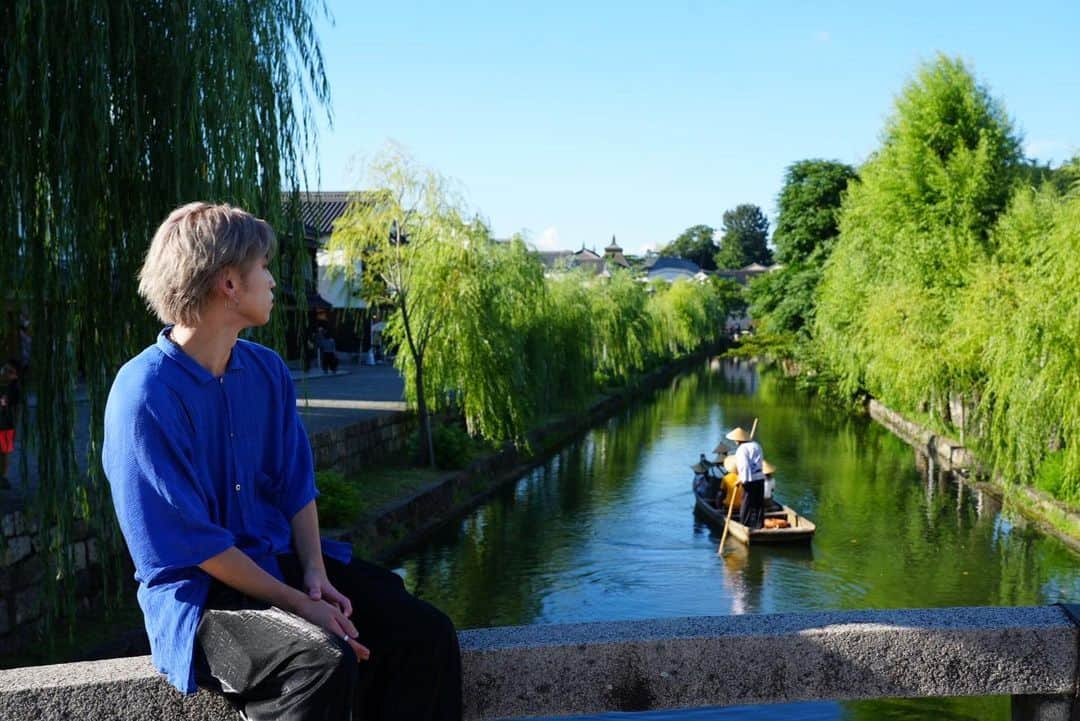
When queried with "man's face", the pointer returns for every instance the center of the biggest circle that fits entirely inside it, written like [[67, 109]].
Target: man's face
[[256, 296]]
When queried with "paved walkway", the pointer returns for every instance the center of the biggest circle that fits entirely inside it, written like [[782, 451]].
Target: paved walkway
[[326, 401]]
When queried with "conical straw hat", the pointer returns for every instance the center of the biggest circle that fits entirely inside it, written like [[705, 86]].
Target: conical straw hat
[[730, 465], [768, 468], [721, 449], [738, 435], [698, 468]]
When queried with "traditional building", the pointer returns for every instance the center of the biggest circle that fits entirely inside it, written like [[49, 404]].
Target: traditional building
[[671, 269], [613, 256], [329, 292]]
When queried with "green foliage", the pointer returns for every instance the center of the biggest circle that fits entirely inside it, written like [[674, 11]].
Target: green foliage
[[934, 295], [339, 499], [454, 447], [809, 204], [620, 327], [911, 233], [696, 243], [745, 238], [785, 300], [1028, 299], [563, 331], [1050, 477], [730, 295], [482, 352], [114, 113]]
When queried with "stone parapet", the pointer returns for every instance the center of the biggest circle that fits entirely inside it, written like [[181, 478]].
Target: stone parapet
[[1028, 653]]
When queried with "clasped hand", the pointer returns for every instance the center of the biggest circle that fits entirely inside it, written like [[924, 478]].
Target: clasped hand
[[330, 609]]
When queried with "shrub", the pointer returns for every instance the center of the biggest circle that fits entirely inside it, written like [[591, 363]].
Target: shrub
[[454, 448], [339, 499]]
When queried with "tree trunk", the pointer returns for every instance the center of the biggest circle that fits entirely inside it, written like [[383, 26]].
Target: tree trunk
[[426, 444]]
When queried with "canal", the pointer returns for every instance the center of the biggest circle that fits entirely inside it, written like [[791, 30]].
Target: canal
[[605, 531]]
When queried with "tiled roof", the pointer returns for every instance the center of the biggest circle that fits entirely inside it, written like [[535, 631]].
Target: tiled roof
[[664, 262], [320, 209]]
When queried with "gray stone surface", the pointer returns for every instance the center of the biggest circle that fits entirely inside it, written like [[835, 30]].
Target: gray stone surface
[[629, 666], [1042, 708], [128, 689], [588, 668]]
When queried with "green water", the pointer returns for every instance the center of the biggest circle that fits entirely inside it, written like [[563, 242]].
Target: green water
[[606, 531]]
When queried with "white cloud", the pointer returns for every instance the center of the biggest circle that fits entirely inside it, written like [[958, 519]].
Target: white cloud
[[1049, 150], [549, 240], [824, 36]]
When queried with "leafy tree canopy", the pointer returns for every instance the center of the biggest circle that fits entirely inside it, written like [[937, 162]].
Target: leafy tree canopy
[[910, 234], [695, 243], [745, 238], [809, 206]]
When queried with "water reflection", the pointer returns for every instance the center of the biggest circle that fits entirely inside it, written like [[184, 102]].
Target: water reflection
[[605, 531]]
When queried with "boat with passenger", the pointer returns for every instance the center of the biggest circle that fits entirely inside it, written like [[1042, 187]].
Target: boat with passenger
[[782, 523]]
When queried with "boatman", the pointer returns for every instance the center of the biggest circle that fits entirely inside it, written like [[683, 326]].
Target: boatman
[[212, 480], [749, 462]]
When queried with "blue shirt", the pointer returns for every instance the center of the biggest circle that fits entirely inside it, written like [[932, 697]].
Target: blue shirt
[[199, 464]]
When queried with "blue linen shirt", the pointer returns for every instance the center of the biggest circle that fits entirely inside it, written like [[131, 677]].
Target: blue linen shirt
[[196, 465]]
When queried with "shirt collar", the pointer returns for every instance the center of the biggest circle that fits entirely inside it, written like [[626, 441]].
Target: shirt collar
[[167, 346]]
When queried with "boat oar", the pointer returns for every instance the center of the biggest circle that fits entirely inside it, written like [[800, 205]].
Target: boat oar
[[731, 504], [727, 522]]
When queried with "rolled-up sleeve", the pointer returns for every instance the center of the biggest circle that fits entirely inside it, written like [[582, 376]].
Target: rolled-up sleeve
[[162, 507]]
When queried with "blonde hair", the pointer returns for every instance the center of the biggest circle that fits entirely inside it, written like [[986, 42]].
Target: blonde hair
[[191, 249]]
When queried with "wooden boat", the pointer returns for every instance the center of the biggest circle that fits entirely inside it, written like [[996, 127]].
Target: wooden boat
[[799, 529]]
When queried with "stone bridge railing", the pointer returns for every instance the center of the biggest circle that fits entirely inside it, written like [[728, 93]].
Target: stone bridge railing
[[1030, 654]]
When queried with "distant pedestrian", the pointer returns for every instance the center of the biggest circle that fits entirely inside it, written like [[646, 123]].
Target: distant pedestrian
[[327, 352], [10, 403], [311, 349]]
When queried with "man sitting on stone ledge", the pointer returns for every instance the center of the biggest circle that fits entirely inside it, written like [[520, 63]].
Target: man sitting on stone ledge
[[213, 484]]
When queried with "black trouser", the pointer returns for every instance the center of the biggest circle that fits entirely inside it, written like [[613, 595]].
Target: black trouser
[[752, 511], [275, 666]]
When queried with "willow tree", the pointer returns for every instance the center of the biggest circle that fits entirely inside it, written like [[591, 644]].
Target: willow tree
[[464, 306], [113, 113], [394, 233], [911, 233]]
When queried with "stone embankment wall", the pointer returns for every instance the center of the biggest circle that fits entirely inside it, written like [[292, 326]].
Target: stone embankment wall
[[21, 560], [949, 454], [22, 572], [1052, 516], [352, 447]]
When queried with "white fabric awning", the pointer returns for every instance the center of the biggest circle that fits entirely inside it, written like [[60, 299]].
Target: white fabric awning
[[333, 285]]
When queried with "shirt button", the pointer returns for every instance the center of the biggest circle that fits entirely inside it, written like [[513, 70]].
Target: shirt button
[[238, 486]]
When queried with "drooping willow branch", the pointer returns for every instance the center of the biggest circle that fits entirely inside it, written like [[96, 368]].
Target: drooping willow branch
[[113, 112]]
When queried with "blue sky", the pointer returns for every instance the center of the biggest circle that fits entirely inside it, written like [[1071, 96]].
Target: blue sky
[[573, 122]]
